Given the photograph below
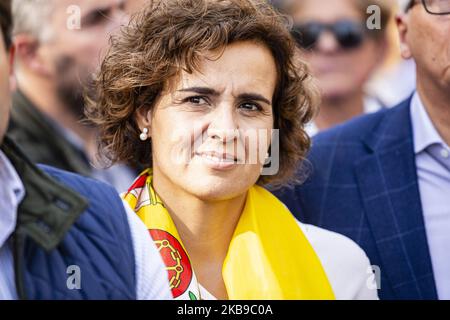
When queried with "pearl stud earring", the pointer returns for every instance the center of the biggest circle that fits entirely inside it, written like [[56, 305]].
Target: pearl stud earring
[[144, 135]]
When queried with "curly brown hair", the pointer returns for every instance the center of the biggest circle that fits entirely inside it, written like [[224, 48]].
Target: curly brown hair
[[172, 35]]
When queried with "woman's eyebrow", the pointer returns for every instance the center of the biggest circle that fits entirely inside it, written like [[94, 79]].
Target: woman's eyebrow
[[212, 92], [254, 97], [201, 90]]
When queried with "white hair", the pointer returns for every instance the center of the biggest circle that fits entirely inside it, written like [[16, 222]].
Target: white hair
[[32, 17], [403, 4]]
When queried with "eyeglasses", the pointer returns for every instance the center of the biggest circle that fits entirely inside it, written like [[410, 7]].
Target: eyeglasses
[[349, 34], [439, 7]]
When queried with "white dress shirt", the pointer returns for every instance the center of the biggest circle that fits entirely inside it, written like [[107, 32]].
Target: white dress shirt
[[12, 192], [151, 276]]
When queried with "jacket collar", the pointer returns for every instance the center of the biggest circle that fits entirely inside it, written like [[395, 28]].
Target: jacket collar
[[49, 209], [394, 128], [31, 122]]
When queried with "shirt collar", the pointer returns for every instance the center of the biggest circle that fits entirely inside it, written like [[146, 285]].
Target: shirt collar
[[12, 192], [424, 132]]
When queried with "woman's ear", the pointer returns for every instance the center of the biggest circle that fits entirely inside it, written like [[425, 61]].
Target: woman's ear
[[143, 118]]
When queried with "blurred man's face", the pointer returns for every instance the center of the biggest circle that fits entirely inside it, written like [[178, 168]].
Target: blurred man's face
[[5, 99], [426, 38], [340, 71], [72, 54]]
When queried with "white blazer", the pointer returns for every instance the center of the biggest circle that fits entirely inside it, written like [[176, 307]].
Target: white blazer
[[346, 265]]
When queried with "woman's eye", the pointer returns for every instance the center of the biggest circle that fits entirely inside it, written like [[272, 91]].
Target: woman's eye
[[250, 106], [196, 100]]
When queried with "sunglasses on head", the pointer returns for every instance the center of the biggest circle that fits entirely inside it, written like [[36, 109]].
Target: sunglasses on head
[[349, 34]]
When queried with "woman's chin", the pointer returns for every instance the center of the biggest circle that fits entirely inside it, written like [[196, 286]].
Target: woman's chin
[[214, 188], [216, 193]]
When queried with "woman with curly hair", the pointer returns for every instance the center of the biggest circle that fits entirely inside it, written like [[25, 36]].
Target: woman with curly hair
[[202, 93]]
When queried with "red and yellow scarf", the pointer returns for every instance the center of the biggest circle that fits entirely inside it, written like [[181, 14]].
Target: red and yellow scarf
[[269, 257]]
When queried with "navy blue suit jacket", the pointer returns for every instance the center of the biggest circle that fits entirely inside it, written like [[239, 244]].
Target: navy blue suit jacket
[[363, 184]]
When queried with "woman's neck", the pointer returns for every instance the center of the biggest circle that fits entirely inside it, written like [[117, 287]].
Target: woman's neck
[[206, 229], [337, 110]]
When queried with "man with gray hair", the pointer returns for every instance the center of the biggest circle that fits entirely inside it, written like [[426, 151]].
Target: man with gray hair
[[59, 44], [384, 179]]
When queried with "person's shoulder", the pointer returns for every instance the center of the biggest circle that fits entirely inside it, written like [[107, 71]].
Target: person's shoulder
[[335, 246], [345, 263], [360, 126], [340, 147], [345, 144], [102, 199], [351, 130], [82, 184]]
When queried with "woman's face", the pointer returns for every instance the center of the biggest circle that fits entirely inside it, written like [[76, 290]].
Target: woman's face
[[340, 71], [202, 124]]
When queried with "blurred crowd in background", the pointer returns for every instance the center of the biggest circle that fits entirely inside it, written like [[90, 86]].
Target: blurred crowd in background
[[382, 180], [357, 70]]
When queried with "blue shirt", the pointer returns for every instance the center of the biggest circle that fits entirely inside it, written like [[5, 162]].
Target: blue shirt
[[151, 276], [12, 192], [432, 156]]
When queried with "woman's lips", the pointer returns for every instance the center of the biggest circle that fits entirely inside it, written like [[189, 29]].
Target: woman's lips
[[218, 161]]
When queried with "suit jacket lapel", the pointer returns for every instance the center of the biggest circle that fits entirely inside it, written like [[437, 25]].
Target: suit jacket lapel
[[387, 180]]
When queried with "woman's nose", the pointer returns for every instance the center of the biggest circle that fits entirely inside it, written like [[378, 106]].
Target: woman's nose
[[223, 124]]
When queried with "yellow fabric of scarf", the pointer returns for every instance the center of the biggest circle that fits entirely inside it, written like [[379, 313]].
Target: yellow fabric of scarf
[[269, 257]]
